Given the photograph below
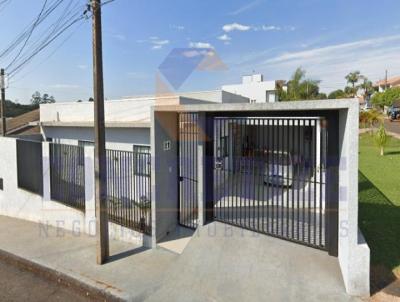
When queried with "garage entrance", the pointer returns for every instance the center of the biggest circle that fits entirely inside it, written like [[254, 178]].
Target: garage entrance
[[269, 176], [265, 174]]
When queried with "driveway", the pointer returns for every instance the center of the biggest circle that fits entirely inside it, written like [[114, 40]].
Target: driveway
[[225, 263]]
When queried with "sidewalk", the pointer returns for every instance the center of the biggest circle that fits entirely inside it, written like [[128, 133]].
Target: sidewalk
[[221, 263], [74, 256]]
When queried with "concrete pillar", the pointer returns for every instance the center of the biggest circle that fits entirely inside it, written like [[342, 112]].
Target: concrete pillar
[[46, 171], [90, 206]]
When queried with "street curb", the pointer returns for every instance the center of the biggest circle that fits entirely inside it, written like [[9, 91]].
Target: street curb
[[93, 289]]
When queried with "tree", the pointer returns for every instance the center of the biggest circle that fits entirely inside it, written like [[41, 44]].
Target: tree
[[300, 88], [367, 88], [38, 99], [352, 78], [381, 139], [337, 94], [370, 119], [386, 98]]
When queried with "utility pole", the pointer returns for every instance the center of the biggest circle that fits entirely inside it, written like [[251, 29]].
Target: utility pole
[[3, 100], [386, 79], [99, 129]]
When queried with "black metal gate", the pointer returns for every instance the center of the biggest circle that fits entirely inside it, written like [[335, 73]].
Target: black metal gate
[[269, 176], [188, 143]]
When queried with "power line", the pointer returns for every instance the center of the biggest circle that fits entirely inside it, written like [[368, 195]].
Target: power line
[[29, 35], [73, 13]]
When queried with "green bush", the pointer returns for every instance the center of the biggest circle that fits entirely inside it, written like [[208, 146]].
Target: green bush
[[386, 98]]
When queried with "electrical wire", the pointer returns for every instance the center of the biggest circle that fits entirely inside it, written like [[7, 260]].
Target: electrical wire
[[73, 13]]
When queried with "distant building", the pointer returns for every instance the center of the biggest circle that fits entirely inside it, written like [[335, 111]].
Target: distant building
[[381, 85], [255, 88]]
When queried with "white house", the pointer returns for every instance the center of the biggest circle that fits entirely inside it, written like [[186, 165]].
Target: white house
[[255, 88], [127, 120]]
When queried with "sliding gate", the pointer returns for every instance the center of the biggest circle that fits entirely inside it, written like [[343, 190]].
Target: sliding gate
[[269, 176]]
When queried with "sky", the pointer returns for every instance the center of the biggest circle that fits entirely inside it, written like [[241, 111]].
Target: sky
[[328, 38]]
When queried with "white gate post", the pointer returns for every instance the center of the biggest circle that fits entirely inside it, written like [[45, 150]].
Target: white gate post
[[46, 171], [90, 206], [201, 166]]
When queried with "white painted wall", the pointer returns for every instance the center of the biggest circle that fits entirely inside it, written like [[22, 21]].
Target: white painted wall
[[131, 109], [22, 204], [116, 138], [254, 88], [18, 203]]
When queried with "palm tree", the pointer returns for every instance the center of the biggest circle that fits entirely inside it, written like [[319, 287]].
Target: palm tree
[[352, 78], [300, 88], [381, 139], [367, 87]]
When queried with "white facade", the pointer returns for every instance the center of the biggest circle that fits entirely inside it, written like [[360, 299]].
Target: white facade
[[127, 120], [255, 88]]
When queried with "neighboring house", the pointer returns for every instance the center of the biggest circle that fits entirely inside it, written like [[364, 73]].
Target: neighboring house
[[381, 85], [255, 88], [127, 120], [22, 125]]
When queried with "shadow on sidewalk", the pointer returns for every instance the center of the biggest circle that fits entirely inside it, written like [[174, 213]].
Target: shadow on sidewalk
[[126, 254]]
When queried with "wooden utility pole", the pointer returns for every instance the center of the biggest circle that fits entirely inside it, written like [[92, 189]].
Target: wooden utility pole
[[99, 129], [3, 100]]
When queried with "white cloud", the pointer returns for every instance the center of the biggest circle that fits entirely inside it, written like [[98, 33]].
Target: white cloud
[[245, 7], [270, 27], [235, 26], [200, 45], [82, 66], [331, 63], [240, 27], [158, 44], [155, 42], [224, 37], [323, 52]]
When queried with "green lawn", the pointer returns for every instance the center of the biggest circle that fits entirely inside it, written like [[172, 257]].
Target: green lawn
[[379, 197]]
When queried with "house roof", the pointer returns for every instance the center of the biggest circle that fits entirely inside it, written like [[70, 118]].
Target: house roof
[[392, 81], [21, 124]]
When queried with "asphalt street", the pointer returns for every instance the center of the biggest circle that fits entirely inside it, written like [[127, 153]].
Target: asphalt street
[[21, 285], [393, 126]]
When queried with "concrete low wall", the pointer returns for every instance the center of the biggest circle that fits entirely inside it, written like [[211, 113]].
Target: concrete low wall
[[19, 203]]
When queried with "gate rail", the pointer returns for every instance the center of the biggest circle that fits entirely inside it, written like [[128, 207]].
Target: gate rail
[[269, 176]]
